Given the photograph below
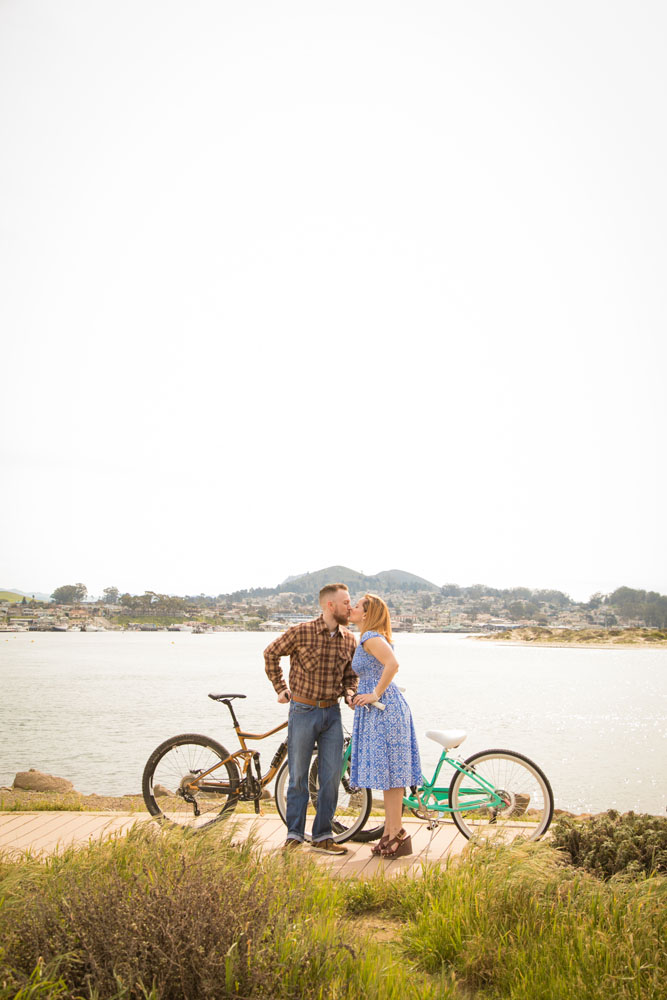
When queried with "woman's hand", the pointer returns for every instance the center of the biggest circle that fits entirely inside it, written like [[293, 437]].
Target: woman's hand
[[364, 699]]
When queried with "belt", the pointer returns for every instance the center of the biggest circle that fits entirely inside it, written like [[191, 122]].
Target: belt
[[315, 704]]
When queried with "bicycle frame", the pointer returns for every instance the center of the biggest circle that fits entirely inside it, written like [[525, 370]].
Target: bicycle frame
[[244, 758], [428, 790]]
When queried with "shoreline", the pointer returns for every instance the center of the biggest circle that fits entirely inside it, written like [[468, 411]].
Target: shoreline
[[623, 637], [574, 644], [21, 800]]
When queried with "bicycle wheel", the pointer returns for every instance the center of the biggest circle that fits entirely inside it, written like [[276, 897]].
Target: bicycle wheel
[[526, 803], [374, 826], [354, 804], [172, 786]]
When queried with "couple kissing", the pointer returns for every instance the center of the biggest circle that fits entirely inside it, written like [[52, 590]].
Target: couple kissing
[[327, 664]]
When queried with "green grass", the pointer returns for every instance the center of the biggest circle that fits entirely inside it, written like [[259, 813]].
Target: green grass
[[17, 800], [167, 915], [56, 803], [520, 924]]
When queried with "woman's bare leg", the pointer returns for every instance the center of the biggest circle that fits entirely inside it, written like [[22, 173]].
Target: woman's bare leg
[[393, 802]]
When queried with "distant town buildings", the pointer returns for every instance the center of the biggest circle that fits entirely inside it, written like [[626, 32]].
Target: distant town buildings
[[412, 611]]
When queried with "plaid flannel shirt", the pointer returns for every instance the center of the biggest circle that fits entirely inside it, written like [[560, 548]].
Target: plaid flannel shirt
[[320, 664]]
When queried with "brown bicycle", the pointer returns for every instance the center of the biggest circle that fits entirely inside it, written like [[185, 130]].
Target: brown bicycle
[[193, 781]]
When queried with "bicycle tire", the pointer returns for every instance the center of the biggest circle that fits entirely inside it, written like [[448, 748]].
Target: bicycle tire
[[352, 810], [368, 834], [519, 782], [174, 765]]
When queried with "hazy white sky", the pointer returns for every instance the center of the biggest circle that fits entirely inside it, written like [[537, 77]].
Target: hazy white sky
[[294, 284]]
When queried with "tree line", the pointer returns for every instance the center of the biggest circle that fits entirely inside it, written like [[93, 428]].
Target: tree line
[[646, 607]]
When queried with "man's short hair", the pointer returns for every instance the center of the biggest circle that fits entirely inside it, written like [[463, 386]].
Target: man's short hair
[[330, 589]]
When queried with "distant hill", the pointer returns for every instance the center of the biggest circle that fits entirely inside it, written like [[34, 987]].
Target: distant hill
[[382, 583], [398, 579], [17, 595]]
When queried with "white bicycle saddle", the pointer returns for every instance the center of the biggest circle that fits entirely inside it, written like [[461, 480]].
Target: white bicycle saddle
[[447, 737]]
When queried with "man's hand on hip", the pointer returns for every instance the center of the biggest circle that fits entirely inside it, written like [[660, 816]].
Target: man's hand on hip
[[284, 696]]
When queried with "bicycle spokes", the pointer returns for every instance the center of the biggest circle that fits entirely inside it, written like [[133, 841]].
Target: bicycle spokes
[[504, 795], [190, 780]]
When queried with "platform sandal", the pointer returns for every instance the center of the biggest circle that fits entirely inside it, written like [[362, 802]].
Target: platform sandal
[[381, 844], [398, 847]]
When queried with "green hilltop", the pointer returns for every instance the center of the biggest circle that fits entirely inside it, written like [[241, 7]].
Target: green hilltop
[[388, 580], [12, 597]]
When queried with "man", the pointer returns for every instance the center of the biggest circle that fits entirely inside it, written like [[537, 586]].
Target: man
[[320, 653]]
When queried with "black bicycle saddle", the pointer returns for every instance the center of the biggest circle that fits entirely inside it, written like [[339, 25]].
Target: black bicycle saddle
[[226, 697]]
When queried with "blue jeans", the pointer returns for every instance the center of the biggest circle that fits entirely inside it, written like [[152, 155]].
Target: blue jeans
[[308, 724]]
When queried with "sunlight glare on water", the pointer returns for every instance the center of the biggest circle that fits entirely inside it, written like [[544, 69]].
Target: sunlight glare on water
[[92, 706]]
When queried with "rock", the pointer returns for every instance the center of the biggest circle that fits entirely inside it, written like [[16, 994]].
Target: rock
[[161, 790], [35, 781], [521, 802]]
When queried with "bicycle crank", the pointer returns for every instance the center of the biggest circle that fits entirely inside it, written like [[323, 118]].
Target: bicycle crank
[[424, 813]]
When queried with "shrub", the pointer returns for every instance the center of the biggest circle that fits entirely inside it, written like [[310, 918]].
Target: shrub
[[175, 916], [167, 915], [611, 844]]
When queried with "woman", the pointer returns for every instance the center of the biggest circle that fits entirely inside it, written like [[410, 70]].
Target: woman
[[384, 747]]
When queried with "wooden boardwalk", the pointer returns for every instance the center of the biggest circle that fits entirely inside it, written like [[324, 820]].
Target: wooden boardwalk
[[49, 832], [44, 833]]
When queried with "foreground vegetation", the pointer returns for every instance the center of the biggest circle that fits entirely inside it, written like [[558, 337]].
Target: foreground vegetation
[[633, 844], [167, 915]]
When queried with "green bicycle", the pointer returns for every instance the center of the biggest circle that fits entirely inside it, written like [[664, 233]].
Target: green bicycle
[[499, 793]]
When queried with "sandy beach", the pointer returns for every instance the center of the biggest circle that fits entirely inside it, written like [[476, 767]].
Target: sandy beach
[[594, 638]]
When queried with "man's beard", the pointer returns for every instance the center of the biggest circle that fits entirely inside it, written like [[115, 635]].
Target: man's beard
[[341, 619]]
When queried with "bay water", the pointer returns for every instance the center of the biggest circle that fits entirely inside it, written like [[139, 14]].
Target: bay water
[[92, 706]]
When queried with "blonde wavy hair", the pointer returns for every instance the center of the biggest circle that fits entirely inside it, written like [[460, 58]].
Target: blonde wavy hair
[[377, 614]]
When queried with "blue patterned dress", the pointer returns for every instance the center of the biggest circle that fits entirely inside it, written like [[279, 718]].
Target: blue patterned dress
[[384, 745]]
